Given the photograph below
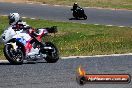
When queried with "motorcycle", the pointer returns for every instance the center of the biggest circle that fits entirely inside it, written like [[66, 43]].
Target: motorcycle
[[19, 44], [79, 13]]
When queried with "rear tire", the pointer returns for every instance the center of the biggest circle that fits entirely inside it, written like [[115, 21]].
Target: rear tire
[[52, 55], [14, 57], [75, 15], [85, 17]]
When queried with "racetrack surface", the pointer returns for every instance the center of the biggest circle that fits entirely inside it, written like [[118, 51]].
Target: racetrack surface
[[62, 13], [63, 73]]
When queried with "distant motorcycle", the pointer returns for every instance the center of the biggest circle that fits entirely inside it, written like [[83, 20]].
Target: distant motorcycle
[[79, 13], [18, 46]]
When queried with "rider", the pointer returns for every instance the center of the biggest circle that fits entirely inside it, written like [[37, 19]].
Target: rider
[[75, 7], [16, 23]]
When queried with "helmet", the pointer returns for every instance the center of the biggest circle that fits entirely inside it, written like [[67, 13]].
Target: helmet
[[75, 4], [13, 18]]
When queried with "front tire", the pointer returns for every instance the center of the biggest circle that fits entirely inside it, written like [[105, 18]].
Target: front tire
[[14, 57]]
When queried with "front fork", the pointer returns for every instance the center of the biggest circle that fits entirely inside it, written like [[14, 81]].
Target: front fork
[[13, 45]]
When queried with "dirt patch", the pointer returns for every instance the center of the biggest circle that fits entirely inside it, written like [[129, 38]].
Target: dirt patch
[[17, 1]]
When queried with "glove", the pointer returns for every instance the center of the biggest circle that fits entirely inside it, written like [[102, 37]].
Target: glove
[[52, 29]]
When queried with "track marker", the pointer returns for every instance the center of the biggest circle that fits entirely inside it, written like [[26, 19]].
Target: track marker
[[109, 25], [121, 26], [96, 24], [32, 18], [24, 17]]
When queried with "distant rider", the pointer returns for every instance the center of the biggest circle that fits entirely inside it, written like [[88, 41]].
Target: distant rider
[[75, 7]]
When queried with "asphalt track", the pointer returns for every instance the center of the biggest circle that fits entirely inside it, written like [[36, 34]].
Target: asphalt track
[[63, 73], [61, 13]]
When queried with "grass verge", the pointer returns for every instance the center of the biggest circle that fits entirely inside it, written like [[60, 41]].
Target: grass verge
[[119, 4], [83, 39]]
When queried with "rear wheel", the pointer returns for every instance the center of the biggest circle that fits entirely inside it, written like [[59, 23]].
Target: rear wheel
[[52, 54], [12, 55], [85, 17], [75, 15]]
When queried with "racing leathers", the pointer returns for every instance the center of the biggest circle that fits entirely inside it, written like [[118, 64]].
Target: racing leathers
[[24, 27]]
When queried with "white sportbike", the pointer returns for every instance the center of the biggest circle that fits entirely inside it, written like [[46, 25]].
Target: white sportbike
[[20, 46]]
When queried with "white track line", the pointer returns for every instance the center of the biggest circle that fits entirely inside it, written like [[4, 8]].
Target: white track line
[[46, 4], [32, 18], [96, 24], [4, 61], [30, 3], [4, 15], [24, 17], [121, 26], [109, 25], [57, 5], [96, 56], [83, 23]]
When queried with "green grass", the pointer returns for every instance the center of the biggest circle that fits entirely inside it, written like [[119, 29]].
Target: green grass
[[119, 4], [83, 39]]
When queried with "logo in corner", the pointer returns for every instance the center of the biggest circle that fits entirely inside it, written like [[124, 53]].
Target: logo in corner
[[83, 78]]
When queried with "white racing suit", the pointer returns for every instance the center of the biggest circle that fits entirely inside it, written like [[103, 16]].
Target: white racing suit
[[25, 28]]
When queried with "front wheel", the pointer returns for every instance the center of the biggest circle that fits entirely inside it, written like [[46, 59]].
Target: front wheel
[[13, 56]]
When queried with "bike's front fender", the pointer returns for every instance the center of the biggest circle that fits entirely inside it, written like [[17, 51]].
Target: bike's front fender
[[16, 43]]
